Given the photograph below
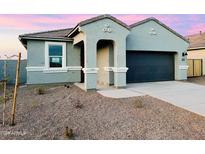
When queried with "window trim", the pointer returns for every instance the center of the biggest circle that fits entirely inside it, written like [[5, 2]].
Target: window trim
[[47, 65]]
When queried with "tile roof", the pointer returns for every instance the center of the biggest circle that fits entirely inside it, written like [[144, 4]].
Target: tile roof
[[85, 22], [59, 33], [94, 19], [196, 40], [63, 34]]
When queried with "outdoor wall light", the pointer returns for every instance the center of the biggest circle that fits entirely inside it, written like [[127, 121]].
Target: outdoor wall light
[[184, 54]]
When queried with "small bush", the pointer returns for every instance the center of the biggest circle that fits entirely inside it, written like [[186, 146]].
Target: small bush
[[1, 87], [67, 86], [1, 99], [69, 133], [9, 96], [40, 91], [34, 104], [138, 104], [78, 105]]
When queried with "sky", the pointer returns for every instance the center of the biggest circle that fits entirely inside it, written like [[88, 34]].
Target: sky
[[12, 25]]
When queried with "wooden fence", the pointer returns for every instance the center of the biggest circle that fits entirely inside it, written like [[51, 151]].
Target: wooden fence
[[195, 67]]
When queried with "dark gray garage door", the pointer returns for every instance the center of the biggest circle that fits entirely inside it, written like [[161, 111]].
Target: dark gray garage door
[[149, 66]]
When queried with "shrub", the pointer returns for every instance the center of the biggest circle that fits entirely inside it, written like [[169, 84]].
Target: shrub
[[67, 85], [69, 133], [1, 99], [34, 104], [9, 96], [138, 103], [1, 87], [40, 91], [78, 105]]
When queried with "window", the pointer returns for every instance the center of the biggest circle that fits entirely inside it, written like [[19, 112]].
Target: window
[[55, 55]]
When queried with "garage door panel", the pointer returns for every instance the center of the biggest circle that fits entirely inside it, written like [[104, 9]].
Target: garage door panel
[[149, 66]]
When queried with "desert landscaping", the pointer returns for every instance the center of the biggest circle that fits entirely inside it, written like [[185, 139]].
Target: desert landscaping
[[198, 80], [46, 112]]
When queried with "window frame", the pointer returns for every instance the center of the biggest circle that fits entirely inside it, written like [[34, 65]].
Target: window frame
[[47, 57]]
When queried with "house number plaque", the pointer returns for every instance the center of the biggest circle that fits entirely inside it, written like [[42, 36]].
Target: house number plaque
[[152, 31], [107, 28]]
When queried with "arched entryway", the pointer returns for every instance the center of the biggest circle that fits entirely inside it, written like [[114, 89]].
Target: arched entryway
[[105, 63]]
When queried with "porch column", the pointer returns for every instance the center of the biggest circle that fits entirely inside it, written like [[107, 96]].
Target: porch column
[[120, 68], [90, 69]]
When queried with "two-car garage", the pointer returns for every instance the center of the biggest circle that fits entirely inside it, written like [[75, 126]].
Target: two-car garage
[[147, 66], [154, 52]]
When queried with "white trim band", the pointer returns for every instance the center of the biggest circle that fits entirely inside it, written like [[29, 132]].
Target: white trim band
[[183, 67], [108, 69], [52, 70], [120, 69], [55, 70], [90, 70], [34, 68], [74, 68], [116, 69]]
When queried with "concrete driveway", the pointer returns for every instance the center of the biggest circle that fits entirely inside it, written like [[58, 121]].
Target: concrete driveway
[[189, 96]]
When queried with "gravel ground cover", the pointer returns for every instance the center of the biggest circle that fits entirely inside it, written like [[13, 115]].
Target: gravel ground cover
[[92, 116], [199, 80]]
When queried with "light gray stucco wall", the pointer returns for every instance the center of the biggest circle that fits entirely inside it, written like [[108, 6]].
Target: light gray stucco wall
[[35, 53], [94, 32], [111, 64], [138, 38], [38, 77], [141, 39], [36, 58], [102, 62]]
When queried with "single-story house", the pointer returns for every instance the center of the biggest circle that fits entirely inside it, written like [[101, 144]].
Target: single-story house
[[196, 49], [105, 51]]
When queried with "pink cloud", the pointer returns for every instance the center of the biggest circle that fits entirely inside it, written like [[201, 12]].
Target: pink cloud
[[196, 28], [38, 22], [169, 19], [16, 22], [42, 22], [49, 22], [130, 19]]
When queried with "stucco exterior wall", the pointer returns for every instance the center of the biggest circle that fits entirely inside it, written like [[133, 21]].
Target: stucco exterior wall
[[93, 33], [36, 61], [105, 61], [149, 36], [35, 53], [142, 38], [111, 64], [78, 38], [102, 62]]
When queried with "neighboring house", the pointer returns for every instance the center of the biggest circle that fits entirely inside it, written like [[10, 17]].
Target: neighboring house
[[105, 51], [196, 49]]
